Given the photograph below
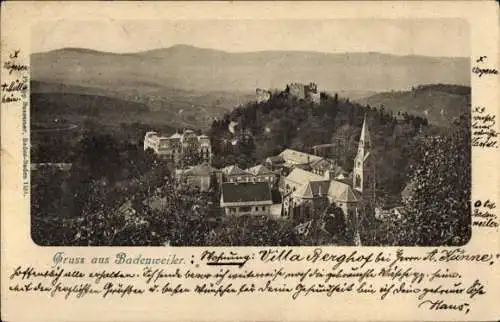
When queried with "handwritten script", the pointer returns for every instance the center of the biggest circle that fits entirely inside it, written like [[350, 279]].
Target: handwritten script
[[480, 70], [380, 275], [14, 91], [484, 214], [484, 134], [15, 88]]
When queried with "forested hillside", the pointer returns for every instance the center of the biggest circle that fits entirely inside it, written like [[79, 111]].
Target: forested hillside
[[153, 105], [440, 104], [68, 105], [265, 129]]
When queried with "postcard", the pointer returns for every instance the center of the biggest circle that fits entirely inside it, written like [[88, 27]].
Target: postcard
[[257, 161]]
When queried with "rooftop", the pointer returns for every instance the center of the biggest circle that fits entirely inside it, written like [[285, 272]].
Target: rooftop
[[176, 135], [297, 157], [313, 189], [325, 164], [303, 177], [341, 191], [313, 185], [259, 170], [233, 170]]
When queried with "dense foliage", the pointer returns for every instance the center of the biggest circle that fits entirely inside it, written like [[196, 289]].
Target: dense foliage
[[265, 129], [437, 197], [440, 103]]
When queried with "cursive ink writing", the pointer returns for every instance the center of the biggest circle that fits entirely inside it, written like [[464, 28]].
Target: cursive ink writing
[[484, 71], [483, 214], [15, 85], [121, 289], [223, 258], [13, 66], [317, 256], [433, 279], [484, 133], [441, 305], [479, 71]]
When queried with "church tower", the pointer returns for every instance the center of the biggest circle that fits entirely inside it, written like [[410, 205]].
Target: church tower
[[364, 167]]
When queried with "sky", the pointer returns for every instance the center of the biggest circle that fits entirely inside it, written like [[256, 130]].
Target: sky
[[429, 37]]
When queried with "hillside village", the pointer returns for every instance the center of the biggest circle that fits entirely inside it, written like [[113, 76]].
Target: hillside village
[[292, 167], [306, 184], [293, 185]]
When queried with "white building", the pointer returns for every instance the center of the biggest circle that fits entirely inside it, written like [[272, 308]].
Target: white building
[[178, 146]]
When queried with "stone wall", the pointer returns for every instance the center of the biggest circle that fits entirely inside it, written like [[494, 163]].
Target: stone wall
[[297, 90], [262, 95], [301, 91]]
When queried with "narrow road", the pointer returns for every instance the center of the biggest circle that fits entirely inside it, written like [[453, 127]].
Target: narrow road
[[57, 129]]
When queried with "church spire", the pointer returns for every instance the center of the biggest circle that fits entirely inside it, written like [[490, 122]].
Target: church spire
[[364, 139], [362, 170], [363, 128]]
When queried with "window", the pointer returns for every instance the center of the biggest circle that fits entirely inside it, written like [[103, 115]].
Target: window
[[245, 209], [307, 211]]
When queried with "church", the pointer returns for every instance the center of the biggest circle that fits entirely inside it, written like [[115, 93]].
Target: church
[[305, 192], [364, 168]]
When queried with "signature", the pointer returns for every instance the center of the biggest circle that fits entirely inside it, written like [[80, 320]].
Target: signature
[[439, 305]]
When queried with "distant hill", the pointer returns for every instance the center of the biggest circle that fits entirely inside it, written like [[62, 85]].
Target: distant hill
[[191, 68], [110, 111], [440, 104], [48, 106], [157, 105]]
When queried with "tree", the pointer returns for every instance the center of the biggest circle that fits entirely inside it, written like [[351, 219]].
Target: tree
[[335, 222], [439, 204], [252, 231], [99, 155]]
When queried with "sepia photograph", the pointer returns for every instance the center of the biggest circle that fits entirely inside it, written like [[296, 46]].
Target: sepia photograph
[[345, 132]]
